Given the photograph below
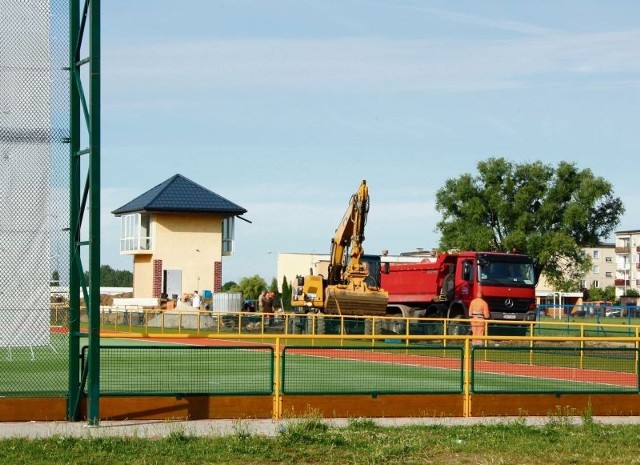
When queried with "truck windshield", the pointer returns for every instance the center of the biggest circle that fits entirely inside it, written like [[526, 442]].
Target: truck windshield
[[507, 272]]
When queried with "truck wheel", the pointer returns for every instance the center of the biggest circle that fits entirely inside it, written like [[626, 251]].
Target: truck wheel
[[229, 323], [398, 327], [433, 328], [458, 326]]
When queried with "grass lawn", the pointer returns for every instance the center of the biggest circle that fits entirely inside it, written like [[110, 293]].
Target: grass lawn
[[311, 441]]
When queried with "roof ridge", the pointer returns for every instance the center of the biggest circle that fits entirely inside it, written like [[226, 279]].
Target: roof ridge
[[167, 183]]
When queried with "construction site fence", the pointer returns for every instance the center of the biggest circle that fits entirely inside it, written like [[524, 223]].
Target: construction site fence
[[270, 364], [38, 364], [372, 369], [135, 319]]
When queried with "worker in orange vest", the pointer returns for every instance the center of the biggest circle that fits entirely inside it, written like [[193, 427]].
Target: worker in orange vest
[[478, 311]]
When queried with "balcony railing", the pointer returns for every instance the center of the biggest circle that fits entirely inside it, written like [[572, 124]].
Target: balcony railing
[[622, 282], [623, 250], [135, 244]]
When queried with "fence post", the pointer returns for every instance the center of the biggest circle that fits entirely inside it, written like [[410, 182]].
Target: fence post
[[467, 377], [276, 413], [581, 345]]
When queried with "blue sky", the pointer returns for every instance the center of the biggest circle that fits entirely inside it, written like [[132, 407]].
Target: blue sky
[[284, 106]]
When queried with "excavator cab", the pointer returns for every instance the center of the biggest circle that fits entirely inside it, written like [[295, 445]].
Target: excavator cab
[[308, 293]]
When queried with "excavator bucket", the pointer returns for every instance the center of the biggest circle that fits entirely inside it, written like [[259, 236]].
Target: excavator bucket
[[344, 300]]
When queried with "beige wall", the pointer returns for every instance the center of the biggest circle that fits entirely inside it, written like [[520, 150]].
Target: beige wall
[[191, 243], [142, 276], [600, 266], [294, 264]]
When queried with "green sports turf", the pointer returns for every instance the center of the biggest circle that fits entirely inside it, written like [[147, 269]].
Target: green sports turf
[[135, 367]]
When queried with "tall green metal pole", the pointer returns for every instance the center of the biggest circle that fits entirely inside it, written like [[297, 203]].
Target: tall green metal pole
[[79, 22], [94, 217], [74, 214]]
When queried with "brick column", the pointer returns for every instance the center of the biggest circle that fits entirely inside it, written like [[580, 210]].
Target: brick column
[[217, 276], [157, 278]]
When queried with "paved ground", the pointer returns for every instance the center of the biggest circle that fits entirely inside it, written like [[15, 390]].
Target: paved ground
[[162, 428]]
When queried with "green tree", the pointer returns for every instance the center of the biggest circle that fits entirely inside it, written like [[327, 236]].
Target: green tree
[[230, 286], [607, 294], [113, 278], [546, 212], [286, 295], [55, 278], [252, 287]]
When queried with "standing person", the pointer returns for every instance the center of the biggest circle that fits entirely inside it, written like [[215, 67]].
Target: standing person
[[263, 295], [478, 311], [195, 301], [268, 306]]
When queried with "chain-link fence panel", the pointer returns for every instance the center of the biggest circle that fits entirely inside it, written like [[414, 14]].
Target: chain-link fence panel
[[34, 196], [366, 370], [554, 370], [155, 370]]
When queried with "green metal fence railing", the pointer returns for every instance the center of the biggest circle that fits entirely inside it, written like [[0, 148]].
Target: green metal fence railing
[[144, 370], [557, 370], [362, 370]]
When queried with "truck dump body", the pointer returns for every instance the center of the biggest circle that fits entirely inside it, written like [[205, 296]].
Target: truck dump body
[[414, 282], [446, 286]]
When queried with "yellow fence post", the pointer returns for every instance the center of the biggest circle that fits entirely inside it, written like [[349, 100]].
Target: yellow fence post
[[277, 401], [407, 323], [373, 331], [445, 331], [581, 346], [636, 344], [531, 346], [467, 377]]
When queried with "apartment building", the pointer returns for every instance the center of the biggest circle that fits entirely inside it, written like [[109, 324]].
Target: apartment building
[[627, 273], [603, 266], [612, 264]]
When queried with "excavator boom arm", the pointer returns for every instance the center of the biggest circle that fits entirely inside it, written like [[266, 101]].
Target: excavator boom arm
[[349, 235]]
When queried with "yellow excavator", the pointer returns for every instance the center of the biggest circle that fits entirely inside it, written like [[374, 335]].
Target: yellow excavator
[[351, 287]]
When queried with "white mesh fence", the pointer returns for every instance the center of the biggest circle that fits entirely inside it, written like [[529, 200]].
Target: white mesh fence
[[34, 174]]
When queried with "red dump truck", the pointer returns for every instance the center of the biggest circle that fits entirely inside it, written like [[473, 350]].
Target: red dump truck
[[443, 287]]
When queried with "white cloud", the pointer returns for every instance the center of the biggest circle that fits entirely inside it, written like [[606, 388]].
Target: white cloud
[[485, 22]]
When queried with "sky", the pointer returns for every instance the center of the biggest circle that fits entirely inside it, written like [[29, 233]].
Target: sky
[[284, 106]]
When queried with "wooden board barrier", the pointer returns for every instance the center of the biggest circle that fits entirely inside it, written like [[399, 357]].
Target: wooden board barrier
[[483, 405], [367, 406], [184, 408], [33, 409]]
